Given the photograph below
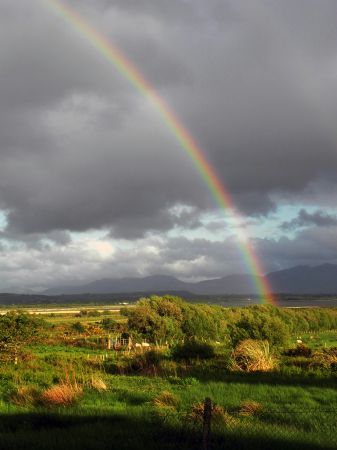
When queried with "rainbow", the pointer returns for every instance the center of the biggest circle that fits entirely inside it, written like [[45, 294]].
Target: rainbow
[[130, 72]]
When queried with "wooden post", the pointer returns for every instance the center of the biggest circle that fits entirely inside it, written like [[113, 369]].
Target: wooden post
[[206, 431]]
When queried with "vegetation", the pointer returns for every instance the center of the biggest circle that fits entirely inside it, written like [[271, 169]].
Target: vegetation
[[169, 319], [61, 387], [16, 329], [253, 356]]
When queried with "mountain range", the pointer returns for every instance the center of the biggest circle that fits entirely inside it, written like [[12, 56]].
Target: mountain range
[[320, 279]]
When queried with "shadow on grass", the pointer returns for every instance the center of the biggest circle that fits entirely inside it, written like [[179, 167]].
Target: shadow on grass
[[71, 432], [205, 373], [132, 398], [272, 378]]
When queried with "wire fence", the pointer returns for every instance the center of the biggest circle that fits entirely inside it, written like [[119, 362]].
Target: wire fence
[[207, 426]]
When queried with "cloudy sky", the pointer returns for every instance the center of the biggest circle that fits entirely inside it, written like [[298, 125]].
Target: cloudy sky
[[92, 182]]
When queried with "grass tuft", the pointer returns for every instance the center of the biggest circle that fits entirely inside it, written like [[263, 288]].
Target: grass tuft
[[24, 396], [326, 359], [220, 416], [250, 408], [63, 394], [166, 400], [253, 355], [98, 384]]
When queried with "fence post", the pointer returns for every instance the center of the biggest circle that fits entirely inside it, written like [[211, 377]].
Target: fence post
[[206, 431]]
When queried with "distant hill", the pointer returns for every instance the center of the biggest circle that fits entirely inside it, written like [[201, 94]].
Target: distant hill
[[321, 279], [153, 283], [231, 284], [8, 299], [305, 280]]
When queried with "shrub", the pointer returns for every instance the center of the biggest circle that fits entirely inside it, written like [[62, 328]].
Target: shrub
[[78, 326], [253, 355], [192, 350], [168, 368], [262, 326], [154, 356], [109, 324], [300, 350], [325, 359], [17, 330], [150, 363]]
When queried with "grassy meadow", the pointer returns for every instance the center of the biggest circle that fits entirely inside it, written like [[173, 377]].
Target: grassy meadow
[[65, 389]]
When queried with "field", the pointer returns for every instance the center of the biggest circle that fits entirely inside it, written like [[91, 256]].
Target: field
[[66, 390]]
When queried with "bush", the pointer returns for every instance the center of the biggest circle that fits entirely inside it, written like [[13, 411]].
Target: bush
[[260, 327], [153, 356], [300, 350], [109, 324], [325, 359], [78, 327], [147, 363], [192, 350], [17, 330]]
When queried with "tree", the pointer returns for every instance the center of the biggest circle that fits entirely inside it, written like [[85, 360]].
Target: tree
[[16, 330], [260, 327], [109, 324], [156, 318], [78, 326]]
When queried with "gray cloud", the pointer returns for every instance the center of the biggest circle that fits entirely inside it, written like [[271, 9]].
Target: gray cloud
[[305, 219], [311, 246], [81, 149], [164, 220], [189, 259], [111, 162], [80, 261]]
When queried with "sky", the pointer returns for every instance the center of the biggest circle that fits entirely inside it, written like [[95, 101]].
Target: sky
[[93, 184]]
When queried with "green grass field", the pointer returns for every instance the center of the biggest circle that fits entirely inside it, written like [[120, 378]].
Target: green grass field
[[299, 412], [317, 339], [67, 391]]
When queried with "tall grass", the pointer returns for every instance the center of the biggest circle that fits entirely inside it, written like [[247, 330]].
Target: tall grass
[[253, 355]]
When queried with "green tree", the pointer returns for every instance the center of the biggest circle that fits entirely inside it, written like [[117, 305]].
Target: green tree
[[261, 327], [16, 331], [78, 327], [109, 324]]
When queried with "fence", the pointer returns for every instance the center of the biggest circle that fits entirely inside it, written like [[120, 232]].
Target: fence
[[210, 427]]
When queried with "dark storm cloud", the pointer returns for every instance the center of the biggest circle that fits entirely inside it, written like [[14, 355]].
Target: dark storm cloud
[[198, 258], [80, 149], [37, 241], [311, 246], [172, 11], [164, 220], [305, 219]]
